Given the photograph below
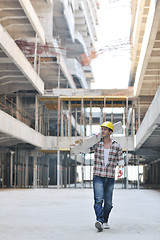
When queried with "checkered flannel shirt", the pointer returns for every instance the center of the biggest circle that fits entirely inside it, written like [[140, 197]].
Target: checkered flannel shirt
[[115, 158]]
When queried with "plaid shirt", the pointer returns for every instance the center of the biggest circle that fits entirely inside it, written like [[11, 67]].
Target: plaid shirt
[[115, 158]]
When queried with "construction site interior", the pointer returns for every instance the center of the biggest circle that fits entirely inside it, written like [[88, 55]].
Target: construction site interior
[[47, 105]]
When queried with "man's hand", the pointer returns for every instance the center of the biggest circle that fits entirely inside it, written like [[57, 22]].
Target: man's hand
[[120, 172]]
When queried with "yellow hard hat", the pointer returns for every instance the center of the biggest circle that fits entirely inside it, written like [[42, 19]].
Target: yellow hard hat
[[108, 125]]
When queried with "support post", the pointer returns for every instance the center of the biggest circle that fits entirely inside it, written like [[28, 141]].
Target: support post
[[35, 168], [11, 169], [58, 118], [112, 113], [69, 118], [75, 171], [36, 112], [18, 107], [104, 114], [82, 160], [82, 117], [101, 115], [35, 55], [62, 117], [58, 168], [26, 169], [90, 118], [138, 184], [76, 119], [15, 167], [139, 113]]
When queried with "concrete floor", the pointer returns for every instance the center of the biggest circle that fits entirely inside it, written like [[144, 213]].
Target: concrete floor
[[68, 214]]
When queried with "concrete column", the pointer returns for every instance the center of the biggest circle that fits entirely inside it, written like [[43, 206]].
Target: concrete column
[[104, 114], [48, 178], [133, 123], [36, 112], [65, 170], [69, 171], [84, 122], [75, 171], [139, 113], [40, 120], [62, 119], [58, 119], [15, 168], [19, 183], [101, 116], [82, 169], [35, 55], [76, 119], [11, 169], [138, 183], [48, 131], [23, 169], [26, 169], [58, 168], [90, 118], [82, 117], [112, 113], [59, 70], [18, 107], [124, 130], [35, 168], [69, 119]]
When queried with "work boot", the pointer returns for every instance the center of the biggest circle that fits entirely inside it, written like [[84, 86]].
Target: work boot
[[99, 226]]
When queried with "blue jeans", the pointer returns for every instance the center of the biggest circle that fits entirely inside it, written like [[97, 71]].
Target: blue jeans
[[103, 192]]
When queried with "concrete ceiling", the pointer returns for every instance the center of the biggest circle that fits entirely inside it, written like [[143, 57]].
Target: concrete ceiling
[[17, 25], [145, 56]]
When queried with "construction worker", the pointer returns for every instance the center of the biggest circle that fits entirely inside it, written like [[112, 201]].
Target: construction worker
[[108, 154]]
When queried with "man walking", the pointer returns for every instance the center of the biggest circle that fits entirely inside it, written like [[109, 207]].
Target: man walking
[[108, 154]]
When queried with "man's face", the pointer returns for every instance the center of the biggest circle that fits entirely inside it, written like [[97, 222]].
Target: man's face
[[105, 132]]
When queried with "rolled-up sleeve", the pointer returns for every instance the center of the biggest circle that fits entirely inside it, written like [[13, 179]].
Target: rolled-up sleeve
[[120, 158]]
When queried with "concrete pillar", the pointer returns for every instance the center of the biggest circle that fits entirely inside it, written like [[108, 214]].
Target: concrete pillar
[[82, 169], [18, 107], [40, 120], [138, 183], [35, 154], [90, 118], [66, 126], [58, 118], [26, 169], [82, 117], [11, 169], [133, 123], [139, 113], [75, 171], [69, 119], [48, 128], [124, 122], [35, 54], [36, 112], [104, 114], [15, 168], [23, 169], [76, 119], [48, 178], [101, 116], [84, 122], [112, 113], [62, 119], [58, 168]]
